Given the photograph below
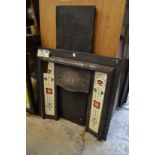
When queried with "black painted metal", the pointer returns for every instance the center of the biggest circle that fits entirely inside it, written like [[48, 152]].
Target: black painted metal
[[85, 57], [124, 82], [111, 103], [76, 105], [72, 92], [124, 96]]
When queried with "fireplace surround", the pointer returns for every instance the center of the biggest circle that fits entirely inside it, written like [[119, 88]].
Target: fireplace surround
[[93, 77]]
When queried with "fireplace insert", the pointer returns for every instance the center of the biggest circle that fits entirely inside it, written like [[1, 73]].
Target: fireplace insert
[[92, 82]]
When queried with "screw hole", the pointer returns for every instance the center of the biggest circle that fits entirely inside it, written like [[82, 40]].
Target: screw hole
[[74, 55]]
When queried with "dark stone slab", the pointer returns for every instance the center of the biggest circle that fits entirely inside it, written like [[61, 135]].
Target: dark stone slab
[[74, 27]]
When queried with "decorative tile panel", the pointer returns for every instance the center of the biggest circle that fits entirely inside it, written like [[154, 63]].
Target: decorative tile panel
[[49, 90], [99, 87]]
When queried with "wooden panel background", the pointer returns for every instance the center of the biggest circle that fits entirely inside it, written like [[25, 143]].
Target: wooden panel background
[[108, 23]]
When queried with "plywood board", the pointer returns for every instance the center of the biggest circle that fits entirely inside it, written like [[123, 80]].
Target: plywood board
[[108, 23]]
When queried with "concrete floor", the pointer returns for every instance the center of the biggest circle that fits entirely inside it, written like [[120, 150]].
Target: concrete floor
[[49, 137]]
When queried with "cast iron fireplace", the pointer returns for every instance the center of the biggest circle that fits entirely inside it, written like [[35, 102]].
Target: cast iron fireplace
[[80, 87]]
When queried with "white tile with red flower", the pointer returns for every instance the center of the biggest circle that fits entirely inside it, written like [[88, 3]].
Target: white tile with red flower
[[100, 80]]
